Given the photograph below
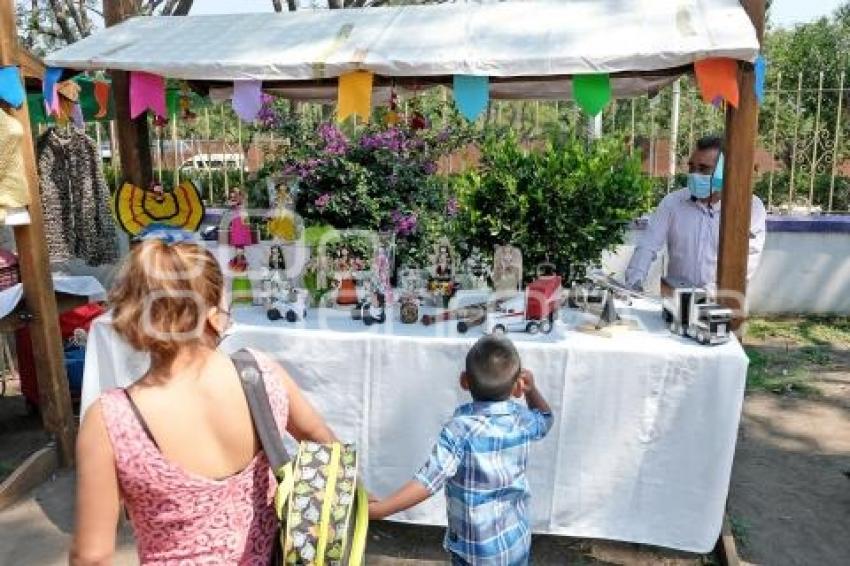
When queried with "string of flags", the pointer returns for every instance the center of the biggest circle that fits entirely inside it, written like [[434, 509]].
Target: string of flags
[[717, 79]]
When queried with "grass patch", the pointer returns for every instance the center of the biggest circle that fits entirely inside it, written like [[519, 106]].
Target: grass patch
[[785, 353], [782, 372], [740, 530], [831, 331]]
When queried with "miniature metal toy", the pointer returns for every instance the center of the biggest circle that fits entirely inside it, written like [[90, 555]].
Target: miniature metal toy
[[689, 311], [291, 305], [533, 311]]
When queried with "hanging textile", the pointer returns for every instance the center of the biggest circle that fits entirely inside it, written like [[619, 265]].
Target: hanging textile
[[13, 183], [75, 198]]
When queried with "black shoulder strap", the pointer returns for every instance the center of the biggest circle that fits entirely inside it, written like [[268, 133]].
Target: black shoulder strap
[[261, 409]]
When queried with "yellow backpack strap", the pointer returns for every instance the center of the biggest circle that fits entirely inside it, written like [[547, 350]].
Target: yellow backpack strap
[[361, 528], [327, 504]]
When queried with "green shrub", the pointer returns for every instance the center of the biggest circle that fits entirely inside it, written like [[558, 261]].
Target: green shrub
[[566, 204]]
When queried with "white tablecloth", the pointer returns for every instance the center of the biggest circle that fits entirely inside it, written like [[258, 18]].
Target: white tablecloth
[[645, 427], [82, 285]]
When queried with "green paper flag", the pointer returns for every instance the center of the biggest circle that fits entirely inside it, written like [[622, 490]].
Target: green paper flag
[[592, 92], [172, 101]]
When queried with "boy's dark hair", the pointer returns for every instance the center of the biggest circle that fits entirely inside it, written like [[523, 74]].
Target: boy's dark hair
[[712, 141], [492, 367]]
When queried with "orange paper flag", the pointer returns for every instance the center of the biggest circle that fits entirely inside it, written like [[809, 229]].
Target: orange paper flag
[[718, 78], [101, 94], [355, 95]]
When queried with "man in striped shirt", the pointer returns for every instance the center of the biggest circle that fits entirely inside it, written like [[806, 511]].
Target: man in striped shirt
[[481, 458]]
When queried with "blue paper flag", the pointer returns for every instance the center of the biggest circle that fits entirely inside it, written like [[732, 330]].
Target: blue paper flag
[[760, 66], [11, 87], [472, 93], [52, 76]]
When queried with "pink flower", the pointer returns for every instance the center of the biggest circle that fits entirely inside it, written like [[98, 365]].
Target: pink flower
[[323, 200]]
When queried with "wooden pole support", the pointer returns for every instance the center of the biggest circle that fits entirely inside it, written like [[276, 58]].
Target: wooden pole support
[[133, 137], [741, 131], [54, 396]]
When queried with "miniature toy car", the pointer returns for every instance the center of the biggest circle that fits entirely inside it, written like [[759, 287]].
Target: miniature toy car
[[292, 306], [687, 311], [533, 311]]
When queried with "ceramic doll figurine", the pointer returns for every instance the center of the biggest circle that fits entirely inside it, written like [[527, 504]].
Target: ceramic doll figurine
[[477, 270], [382, 273], [376, 313], [239, 238], [277, 260], [240, 232], [442, 284], [241, 284], [346, 293]]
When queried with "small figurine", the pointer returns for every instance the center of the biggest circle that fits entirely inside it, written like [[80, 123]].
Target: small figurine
[[411, 285], [346, 292], [277, 260], [507, 268], [409, 310], [477, 271], [240, 232], [442, 284], [382, 268], [376, 313]]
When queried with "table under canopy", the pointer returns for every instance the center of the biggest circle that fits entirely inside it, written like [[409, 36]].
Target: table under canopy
[[645, 427]]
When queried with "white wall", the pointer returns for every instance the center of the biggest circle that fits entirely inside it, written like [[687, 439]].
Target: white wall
[[800, 272]]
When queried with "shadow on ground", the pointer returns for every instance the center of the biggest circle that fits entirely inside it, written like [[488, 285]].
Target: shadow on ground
[[790, 493]]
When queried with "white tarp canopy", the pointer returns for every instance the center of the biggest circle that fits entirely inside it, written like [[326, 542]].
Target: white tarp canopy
[[499, 40]]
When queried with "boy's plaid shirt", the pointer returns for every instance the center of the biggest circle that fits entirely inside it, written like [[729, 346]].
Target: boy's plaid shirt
[[481, 457]]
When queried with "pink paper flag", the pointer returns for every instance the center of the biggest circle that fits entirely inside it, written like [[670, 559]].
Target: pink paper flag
[[247, 99], [146, 91]]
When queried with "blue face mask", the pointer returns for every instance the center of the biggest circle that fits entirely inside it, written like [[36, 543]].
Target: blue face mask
[[701, 185]]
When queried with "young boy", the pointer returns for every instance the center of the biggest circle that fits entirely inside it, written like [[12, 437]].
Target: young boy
[[481, 457]]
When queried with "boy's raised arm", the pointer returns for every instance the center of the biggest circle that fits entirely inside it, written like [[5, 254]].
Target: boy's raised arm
[[533, 396]]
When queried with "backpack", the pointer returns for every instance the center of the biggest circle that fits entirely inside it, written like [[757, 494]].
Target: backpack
[[321, 505]]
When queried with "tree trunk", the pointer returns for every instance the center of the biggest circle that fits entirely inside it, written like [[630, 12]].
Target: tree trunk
[[61, 17]]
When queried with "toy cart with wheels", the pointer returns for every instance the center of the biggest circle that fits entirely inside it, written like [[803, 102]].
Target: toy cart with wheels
[[534, 311]]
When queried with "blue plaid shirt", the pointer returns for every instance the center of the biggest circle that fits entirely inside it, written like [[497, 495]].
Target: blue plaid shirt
[[481, 457]]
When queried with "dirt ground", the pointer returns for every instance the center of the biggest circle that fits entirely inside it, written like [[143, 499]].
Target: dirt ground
[[789, 498], [20, 433]]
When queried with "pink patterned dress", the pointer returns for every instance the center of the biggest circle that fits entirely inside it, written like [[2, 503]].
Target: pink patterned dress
[[182, 519]]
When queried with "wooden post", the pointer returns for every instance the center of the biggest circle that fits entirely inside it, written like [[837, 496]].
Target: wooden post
[[54, 396], [741, 131], [133, 137]]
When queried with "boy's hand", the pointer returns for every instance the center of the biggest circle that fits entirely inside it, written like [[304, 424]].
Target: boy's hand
[[376, 509], [527, 378], [533, 397]]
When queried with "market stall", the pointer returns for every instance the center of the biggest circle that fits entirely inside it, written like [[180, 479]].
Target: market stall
[[646, 421]]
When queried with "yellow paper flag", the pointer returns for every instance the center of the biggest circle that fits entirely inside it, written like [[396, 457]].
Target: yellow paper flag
[[355, 95]]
